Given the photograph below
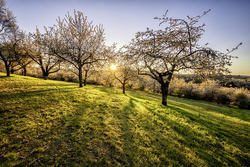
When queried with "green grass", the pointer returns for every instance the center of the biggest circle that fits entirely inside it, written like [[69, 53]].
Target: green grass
[[52, 123]]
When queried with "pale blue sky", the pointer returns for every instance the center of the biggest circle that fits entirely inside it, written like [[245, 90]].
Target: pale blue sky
[[227, 24]]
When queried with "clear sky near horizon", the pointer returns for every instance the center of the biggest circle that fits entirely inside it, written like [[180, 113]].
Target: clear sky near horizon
[[227, 24]]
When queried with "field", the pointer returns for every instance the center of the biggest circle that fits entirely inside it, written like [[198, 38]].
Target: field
[[53, 123]]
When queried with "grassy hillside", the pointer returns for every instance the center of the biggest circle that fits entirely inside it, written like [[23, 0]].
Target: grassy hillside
[[57, 123]]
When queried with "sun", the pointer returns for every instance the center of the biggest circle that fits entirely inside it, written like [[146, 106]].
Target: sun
[[113, 67]]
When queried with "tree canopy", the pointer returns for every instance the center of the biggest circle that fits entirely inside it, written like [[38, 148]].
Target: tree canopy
[[162, 53], [76, 40]]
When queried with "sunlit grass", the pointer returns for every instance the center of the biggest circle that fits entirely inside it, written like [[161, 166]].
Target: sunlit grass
[[57, 123]]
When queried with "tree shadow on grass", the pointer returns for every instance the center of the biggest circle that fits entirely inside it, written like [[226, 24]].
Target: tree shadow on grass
[[219, 145], [166, 150], [225, 110], [52, 139], [130, 150], [109, 90], [189, 139], [5, 77], [82, 137], [33, 93], [232, 132], [93, 134], [219, 125], [208, 150]]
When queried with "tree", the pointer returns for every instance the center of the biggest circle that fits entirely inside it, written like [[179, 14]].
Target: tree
[[40, 53], [124, 73], [87, 71], [14, 65], [8, 48], [6, 57], [23, 57], [20, 55], [8, 36], [108, 78], [162, 53], [7, 19], [76, 41]]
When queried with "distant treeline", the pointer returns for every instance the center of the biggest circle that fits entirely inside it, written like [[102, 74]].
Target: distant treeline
[[234, 81]]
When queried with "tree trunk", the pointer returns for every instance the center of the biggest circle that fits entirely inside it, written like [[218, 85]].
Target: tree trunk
[[80, 76], [154, 86], [85, 78], [164, 88], [164, 92], [12, 71], [123, 88], [7, 70], [45, 75], [24, 71]]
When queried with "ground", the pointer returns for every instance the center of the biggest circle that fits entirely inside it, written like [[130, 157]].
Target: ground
[[53, 123]]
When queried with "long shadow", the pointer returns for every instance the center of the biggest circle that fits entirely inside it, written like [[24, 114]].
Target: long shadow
[[6, 77], [219, 127], [199, 143], [45, 135], [216, 128], [33, 93], [185, 133], [189, 103], [54, 140], [108, 90], [100, 148], [166, 145], [129, 146], [85, 145], [225, 110]]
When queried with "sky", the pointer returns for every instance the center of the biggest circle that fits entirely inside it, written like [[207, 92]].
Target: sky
[[227, 24]]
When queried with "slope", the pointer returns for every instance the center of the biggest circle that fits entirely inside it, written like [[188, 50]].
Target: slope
[[57, 123]]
